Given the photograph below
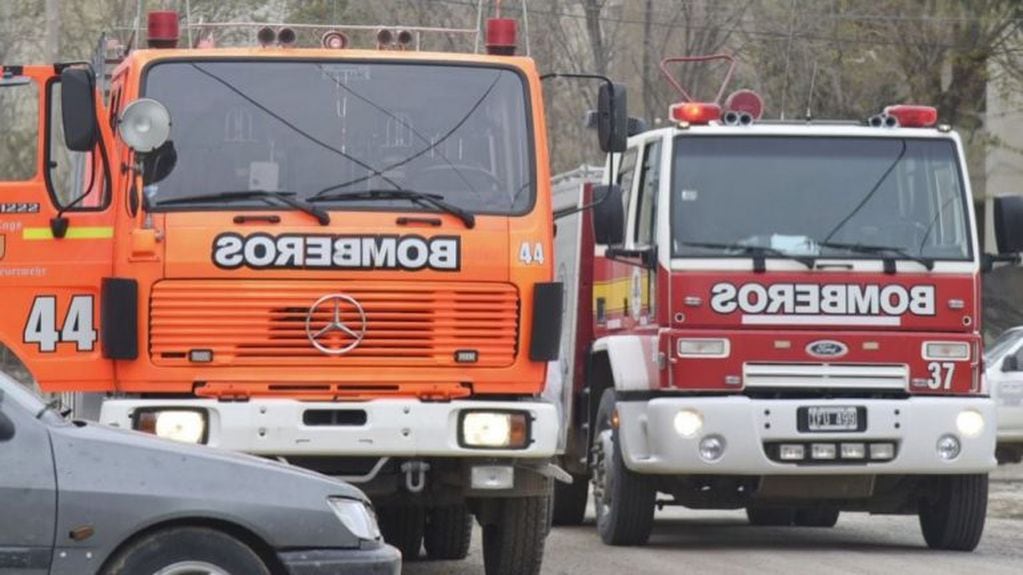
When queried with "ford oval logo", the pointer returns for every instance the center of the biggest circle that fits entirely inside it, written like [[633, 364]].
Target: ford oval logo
[[827, 348]]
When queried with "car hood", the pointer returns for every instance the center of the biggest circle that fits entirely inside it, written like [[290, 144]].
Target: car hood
[[122, 482], [175, 450]]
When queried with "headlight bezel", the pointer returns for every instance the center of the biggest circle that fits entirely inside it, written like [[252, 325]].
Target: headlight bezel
[[358, 517], [524, 429], [147, 420]]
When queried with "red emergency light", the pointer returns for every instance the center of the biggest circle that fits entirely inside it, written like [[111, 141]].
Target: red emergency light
[[913, 116], [502, 36], [162, 29], [696, 113]]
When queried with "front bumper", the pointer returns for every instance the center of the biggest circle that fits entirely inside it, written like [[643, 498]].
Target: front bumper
[[651, 445], [391, 427], [384, 560]]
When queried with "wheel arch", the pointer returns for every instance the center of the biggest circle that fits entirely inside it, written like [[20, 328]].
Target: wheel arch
[[247, 536]]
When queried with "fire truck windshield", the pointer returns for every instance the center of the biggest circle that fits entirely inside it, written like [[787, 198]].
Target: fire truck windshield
[[819, 197], [313, 126]]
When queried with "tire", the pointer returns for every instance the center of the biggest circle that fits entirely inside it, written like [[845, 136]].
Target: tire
[[954, 519], [179, 546], [513, 544], [771, 516], [403, 527], [448, 532], [817, 516], [624, 500], [570, 501]]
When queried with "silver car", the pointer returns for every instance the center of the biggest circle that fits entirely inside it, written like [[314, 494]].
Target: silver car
[[1003, 369], [78, 498]]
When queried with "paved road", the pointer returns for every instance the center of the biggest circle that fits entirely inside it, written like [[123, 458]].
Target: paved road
[[723, 542]]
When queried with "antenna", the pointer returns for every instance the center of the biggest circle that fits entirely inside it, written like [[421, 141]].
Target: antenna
[[188, 17], [809, 96], [525, 22]]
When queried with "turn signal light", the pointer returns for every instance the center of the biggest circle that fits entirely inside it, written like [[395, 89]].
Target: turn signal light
[[913, 116], [696, 113]]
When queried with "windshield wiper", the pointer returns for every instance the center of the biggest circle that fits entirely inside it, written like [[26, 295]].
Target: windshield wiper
[[434, 200], [756, 251], [285, 198], [880, 251]]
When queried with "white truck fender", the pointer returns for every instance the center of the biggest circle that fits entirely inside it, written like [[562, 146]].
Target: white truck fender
[[633, 360]]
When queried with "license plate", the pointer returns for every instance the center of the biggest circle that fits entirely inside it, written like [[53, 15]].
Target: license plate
[[831, 418]]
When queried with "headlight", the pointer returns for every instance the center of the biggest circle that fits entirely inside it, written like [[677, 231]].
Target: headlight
[[688, 422], [494, 429], [356, 516], [184, 425], [970, 423], [946, 350], [703, 347]]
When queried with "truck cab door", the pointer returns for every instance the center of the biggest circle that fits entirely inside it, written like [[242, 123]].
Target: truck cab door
[[28, 490], [641, 235], [56, 227]]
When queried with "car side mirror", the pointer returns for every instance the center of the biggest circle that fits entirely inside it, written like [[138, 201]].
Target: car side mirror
[[1010, 363], [1009, 224], [612, 118], [159, 163], [78, 108], [608, 215]]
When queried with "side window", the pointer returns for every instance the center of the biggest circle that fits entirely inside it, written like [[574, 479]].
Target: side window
[[19, 130], [626, 173], [76, 178], [649, 182]]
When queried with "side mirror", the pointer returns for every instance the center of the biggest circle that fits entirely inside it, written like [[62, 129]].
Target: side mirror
[[159, 163], [1010, 363], [608, 215], [612, 118], [1009, 224], [78, 108]]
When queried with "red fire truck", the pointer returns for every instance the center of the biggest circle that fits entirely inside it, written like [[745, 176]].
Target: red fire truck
[[778, 316]]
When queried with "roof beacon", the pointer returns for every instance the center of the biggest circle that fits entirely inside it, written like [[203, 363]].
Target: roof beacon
[[696, 113], [913, 116], [162, 27]]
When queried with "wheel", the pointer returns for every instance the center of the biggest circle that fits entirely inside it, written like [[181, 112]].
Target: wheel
[[624, 500], [954, 519], [817, 516], [771, 516], [187, 551], [513, 544], [403, 526], [570, 500], [448, 532]]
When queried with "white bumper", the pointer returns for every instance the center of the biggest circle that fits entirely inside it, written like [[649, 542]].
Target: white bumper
[[651, 444], [393, 427]]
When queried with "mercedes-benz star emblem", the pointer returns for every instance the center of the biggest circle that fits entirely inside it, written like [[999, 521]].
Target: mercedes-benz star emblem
[[335, 324]]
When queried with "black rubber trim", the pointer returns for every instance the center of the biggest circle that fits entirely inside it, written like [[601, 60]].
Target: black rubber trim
[[119, 324], [548, 307]]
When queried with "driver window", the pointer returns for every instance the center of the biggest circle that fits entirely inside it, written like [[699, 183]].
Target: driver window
[[75, 178], [626, 173], [19, 114], [649, 182]]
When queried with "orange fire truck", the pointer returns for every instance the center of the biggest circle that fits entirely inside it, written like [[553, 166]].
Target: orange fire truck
[[334, 257], [778, 316]]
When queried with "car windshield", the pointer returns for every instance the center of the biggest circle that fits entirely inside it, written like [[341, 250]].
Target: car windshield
[[840, 197], [309, 127], [1002, 345], [21, 395]]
